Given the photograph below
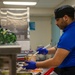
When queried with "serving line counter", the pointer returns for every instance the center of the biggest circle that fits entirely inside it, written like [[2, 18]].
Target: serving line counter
[[11, 52]]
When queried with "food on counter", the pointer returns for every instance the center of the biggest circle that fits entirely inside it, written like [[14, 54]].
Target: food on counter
[[5, 72], [24, 73], [10, 37], [36, 70], [7, 37]]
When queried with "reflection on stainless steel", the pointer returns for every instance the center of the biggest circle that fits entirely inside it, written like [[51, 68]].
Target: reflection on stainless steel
[[1, 63], [10, 51], [15, 20]]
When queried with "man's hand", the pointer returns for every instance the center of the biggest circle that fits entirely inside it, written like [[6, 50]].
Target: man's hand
[[42, 51], [30, 65]]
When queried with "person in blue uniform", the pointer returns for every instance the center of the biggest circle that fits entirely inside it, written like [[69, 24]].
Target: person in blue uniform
[[64, 57]]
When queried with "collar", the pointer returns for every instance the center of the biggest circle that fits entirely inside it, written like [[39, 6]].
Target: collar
[[70, 25]]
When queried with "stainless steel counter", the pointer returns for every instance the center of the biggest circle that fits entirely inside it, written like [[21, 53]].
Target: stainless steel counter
[[10, 51]]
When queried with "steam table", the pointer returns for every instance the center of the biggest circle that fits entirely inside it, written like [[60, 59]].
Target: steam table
[[11, 52]]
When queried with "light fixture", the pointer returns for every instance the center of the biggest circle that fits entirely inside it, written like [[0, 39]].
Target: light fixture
[[19, 3]]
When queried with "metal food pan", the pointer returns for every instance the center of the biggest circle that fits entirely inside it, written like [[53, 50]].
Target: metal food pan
[[27, 73]]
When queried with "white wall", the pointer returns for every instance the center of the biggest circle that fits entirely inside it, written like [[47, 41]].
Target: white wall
[[42, 33], [41, 11]]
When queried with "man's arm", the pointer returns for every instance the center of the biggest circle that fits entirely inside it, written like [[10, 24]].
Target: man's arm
[[52, 50], [58, 58]]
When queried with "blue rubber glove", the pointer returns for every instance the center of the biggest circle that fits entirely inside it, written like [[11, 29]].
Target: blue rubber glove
[[30, 65], [42, 51]]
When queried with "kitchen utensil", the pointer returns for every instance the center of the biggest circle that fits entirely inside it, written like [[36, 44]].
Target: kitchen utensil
[[43, 48], [20, 68]]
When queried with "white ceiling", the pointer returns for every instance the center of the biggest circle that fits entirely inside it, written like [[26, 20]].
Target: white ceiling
[[40, 3], [43, 7], [48, 3]]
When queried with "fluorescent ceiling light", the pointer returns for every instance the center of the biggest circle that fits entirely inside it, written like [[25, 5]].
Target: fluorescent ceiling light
[[19, 3]]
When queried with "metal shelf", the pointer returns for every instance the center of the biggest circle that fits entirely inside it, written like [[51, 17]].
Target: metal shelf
[[10, 51]]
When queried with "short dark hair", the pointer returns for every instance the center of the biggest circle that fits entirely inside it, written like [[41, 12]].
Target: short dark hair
[[64, 10]]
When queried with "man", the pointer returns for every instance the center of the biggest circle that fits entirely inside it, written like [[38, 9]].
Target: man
[[64, 57]]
